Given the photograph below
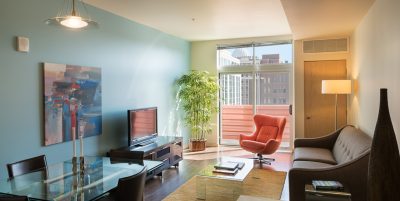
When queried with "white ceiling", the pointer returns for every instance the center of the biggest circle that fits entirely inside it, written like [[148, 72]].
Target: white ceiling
[[203, 19], [323, 18], [196, 20]]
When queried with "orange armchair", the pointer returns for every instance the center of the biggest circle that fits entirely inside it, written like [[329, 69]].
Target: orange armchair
[[267, 137]]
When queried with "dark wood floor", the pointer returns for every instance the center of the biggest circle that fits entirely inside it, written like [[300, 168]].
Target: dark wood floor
[[159, 187]]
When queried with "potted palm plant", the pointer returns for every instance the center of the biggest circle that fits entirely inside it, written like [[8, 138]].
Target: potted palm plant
[[199, 93]]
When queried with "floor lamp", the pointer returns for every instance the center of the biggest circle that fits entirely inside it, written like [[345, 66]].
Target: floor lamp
[[336, 87]]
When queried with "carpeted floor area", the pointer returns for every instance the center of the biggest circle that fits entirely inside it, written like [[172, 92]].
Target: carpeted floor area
[[272, 185], [160, 188]]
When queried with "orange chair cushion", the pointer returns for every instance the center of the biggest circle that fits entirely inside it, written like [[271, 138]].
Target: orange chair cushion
[[253, 146], [266, 133]]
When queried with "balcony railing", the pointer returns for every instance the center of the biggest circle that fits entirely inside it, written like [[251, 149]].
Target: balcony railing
[[238, 119]]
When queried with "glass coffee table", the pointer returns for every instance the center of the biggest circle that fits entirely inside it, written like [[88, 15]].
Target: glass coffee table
[[220, 186]]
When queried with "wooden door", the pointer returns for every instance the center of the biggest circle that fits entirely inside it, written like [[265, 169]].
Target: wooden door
[[319, 109]]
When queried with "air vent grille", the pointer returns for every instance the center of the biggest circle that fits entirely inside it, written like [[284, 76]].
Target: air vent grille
[[329, 45]]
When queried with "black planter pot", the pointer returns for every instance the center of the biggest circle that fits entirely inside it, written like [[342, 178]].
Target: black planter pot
[[384, 162]]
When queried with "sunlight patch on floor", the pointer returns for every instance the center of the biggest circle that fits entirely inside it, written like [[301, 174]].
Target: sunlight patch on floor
[[215, 152]]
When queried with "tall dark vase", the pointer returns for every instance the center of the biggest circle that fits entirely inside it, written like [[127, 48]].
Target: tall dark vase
[[384, 161]]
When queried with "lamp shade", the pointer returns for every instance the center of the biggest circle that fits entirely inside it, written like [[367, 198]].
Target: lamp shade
[[336, 87], [70, 16]]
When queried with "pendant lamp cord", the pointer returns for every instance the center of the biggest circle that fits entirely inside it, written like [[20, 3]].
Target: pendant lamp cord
[[73, 8]]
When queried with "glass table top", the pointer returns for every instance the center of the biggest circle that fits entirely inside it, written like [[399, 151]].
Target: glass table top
[[239, 176], [60, 183]]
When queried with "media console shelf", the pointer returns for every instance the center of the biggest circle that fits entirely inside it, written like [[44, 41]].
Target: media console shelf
[[167, 149]]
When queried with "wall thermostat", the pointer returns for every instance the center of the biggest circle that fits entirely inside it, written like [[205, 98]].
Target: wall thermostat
[[22, 44]]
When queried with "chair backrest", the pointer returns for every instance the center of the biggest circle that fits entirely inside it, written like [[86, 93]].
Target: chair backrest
[[350, 144], [132, 187], [269, 127], [126, 156], [13, 198], [26, 166]]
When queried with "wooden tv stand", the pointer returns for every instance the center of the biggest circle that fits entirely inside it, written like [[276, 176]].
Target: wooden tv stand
[[167, 149]]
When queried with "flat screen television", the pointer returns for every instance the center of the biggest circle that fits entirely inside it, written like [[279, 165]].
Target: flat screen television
[[142, 125]]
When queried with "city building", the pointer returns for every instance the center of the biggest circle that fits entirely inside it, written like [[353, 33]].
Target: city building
[[270, 59], [238, 88]]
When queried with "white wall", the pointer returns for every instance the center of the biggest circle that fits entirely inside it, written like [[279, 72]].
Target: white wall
[[376, 64], [204, 57]]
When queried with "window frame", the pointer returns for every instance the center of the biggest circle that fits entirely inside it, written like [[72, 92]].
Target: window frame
[[254, 69]]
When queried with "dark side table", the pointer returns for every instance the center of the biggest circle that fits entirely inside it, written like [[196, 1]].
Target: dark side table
[[318, 195]]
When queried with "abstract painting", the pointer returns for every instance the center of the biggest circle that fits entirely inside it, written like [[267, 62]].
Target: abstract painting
[[72, 102]]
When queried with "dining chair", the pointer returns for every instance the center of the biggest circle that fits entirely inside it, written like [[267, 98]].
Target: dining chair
[[126, 156], [13, 198], [26, 166], [129, 188]]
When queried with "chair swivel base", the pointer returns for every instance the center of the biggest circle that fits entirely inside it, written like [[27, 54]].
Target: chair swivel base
[[263, 160]]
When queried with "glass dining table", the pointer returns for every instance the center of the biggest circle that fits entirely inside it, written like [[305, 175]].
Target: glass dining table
[[59, 182]]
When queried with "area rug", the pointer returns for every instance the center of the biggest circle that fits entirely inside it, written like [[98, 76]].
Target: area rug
[[259, 182]]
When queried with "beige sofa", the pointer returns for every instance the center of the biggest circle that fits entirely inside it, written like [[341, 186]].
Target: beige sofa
[[341, 156]]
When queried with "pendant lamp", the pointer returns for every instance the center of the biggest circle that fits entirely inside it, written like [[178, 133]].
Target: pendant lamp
[[71, 16]]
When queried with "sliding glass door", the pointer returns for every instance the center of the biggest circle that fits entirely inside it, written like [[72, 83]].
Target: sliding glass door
[[273, 98], [252, 85], [236, 106]]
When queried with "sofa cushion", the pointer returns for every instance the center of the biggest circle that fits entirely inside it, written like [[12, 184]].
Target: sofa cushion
[[310, 165], [350, 144], [314, 154]]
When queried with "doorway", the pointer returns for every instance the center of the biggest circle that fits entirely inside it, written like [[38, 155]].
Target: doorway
[[319, 109]]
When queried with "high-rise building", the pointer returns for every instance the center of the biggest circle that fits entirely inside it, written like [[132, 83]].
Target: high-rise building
[[238, 89], [226, 59], [270, 59], [231, 89], [245, 58], [273, 88]]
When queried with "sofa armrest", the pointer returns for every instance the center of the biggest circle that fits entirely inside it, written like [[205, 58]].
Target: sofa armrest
[[352, 174], [325, 142]]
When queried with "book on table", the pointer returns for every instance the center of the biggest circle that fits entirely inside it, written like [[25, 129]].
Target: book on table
[[226, 166], [240, 164], [229, 165], [327, 185], [226, 171]]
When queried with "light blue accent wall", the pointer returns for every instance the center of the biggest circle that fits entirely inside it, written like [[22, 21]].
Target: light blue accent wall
[[139, 66]]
